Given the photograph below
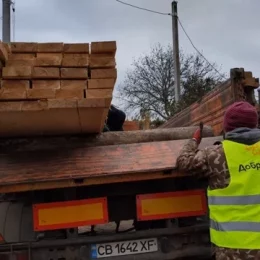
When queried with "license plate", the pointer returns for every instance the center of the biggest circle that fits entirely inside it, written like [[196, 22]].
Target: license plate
[[124, 248]]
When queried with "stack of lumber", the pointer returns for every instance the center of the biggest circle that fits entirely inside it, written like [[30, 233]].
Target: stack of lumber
[[55, 88]]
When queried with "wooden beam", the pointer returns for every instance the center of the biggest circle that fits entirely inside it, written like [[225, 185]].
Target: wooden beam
[[17, 72], [23, 47], [103, 139], [73, 84], [98, 61], [101, 83], [103, 73], [50, 47], [76, 48], [103, 47], [75, 60], [48, 59], [45, 73], [45, 84], [69, 94], [73, 73], [3, 52]]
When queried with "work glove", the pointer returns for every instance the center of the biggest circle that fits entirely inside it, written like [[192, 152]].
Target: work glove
[[197, 136]]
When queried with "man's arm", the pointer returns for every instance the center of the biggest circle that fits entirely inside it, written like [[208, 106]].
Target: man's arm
[[193, 161]]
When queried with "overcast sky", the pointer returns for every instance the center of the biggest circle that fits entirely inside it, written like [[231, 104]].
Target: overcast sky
[[227, 31]]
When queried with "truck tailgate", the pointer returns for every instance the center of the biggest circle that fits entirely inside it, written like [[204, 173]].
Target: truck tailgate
[[81, 166]]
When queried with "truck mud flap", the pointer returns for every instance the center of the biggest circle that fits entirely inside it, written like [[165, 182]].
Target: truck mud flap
[[16, 223]]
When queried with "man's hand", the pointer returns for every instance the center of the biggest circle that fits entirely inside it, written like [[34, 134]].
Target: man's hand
[[197, 136]]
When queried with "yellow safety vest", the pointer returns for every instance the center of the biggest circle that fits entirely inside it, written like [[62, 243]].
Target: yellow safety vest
[[235, 210]]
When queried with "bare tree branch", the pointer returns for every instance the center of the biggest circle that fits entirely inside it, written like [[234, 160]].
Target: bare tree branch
[[149, 84]]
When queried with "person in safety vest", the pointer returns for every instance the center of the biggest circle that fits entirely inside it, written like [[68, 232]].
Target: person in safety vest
[[233, 171]]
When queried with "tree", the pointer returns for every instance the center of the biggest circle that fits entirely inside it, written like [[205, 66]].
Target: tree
[[149, 84]]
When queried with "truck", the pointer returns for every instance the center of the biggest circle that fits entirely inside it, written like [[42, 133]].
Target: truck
[[53, 187], [90, 195], [210, 109]]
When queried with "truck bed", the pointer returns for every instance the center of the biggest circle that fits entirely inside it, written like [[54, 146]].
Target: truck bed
[[74, 165]]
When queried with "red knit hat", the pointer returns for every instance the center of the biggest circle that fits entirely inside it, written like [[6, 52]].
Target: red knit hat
[[240, 114]]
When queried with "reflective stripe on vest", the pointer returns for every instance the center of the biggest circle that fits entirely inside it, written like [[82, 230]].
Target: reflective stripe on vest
[[235, 210], [234, 200], [235, 226]]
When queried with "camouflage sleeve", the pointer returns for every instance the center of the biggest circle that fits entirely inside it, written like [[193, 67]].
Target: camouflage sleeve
[[193, 161]]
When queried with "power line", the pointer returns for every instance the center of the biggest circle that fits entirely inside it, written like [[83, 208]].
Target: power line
[[191, 42], [13, 20], [182, 27], [144, 9]]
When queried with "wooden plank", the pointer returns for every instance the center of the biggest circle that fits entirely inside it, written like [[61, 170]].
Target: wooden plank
[[3, 52], [18, 72], [103, 47], [98, 61], [73, 84], [50, 47], [10, 107], [12, 93], [45, 73], [23, 47], [74, 73], [62, 103], [111, 55], [21, 56], [101, 83], [103, 74], [15, 84], [48, 59], [23, 62], [91, 119], [75, 60], [7, 47], [99, 93], [46, 121], [40, 93], [95, 102], [45, 84], [76, 48], [70, 94], [36, 106]]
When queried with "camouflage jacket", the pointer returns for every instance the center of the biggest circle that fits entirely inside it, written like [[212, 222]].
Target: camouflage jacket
[[211, 163]]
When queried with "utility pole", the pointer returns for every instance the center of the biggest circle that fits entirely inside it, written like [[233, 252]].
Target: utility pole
[[6, 20], [176, 55]]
